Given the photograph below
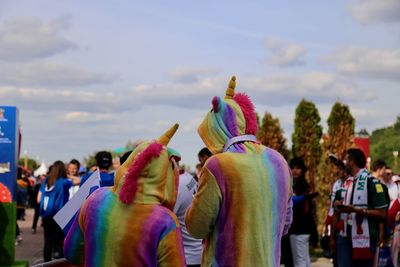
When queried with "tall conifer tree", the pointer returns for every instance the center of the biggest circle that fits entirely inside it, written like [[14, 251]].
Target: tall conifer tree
[[306, 137], [271, 135], [339, 139]]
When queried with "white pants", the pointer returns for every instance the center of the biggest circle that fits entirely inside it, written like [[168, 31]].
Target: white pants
[[300, 250]]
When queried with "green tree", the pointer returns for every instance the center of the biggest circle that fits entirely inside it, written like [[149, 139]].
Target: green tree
[[340, 130], [306, 137], [90, 160], [32, 164], [339, 139], [271, 135], [385, 141]]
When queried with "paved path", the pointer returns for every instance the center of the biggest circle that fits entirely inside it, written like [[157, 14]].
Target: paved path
[[31, 247]]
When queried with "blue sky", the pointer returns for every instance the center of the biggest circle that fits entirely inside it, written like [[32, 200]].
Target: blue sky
[[92, 75]]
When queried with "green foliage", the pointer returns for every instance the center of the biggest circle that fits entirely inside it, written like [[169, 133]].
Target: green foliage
[[340, 138], [258, 120], [383, 142], [90, 160], [340, 130], [32, 164], [270, 134], [306, 137]]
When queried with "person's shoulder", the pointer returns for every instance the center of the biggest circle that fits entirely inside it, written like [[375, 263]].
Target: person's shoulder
[[376, 186], [165, 216]]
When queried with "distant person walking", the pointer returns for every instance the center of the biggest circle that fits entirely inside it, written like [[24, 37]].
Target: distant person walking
[[52, 197], [104, 162]]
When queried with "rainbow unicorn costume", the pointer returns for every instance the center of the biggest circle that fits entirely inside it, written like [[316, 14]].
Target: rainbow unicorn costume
[[131, 223], [243, 205]]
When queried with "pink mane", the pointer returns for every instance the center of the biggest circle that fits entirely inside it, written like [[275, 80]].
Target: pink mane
[[129, 187], [247, 108]]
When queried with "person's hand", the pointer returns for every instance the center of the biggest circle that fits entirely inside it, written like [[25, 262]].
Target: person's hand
[[337, 203], [345, 208]]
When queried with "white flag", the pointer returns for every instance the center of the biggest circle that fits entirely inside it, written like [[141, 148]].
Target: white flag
[[65, 215]]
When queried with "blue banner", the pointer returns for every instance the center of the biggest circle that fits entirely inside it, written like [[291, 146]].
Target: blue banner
[[9, 147]]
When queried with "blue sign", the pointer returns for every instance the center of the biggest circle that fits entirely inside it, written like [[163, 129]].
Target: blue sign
[[9, 148]]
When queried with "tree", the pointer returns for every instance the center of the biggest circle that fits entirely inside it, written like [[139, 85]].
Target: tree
[[384, 142], [32, 164], [270, 134], [339, 139], [306, 137], [340, 130]]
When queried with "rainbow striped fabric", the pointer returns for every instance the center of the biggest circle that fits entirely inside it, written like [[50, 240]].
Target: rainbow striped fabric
[[131, 224], [243, 205], [110, 233]]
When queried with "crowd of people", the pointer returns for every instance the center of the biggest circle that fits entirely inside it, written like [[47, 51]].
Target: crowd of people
[[243, 206]]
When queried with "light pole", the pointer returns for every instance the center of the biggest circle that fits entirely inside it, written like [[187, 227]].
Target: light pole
[[26, 159]]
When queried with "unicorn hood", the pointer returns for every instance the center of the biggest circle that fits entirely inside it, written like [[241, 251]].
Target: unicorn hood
[[150, 174], [230, 117]]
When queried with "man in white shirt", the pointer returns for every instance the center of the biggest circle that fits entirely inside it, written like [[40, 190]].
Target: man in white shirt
[[187, 188]]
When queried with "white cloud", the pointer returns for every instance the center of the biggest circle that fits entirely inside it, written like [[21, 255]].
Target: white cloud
[[284, 54], [273, 90], [27, 38], [367, 63], [370, 11], [190, 75], [44, 73], [192, 124], [80, 116], [54, 99]]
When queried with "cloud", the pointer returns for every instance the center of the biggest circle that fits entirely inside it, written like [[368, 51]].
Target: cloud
[[85, 117], [372, 118], [191, 75], [27, 38], [272, 90], [44, 99], [376, 11], [367, 63], [43, 73], [284, 54]]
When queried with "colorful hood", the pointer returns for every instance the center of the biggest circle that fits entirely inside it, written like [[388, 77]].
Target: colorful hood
[[150, 174], [229, 117]]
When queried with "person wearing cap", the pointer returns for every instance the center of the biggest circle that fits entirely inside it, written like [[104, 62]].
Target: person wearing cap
[[104, 162], [244, 201], [132, 223]]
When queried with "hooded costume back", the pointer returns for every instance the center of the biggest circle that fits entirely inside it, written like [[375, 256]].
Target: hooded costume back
[[131, 223], [243, 205]]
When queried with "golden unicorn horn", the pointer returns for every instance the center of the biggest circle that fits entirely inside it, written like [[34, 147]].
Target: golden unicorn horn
[[230, 91], [166, 137]]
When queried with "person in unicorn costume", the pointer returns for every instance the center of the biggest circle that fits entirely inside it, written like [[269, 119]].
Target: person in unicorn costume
[[132, 223], [244, 201]]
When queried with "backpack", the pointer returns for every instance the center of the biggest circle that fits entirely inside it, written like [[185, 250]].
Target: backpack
[[52, 199]]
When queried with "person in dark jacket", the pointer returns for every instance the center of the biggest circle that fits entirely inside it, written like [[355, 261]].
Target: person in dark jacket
[[303, 218]]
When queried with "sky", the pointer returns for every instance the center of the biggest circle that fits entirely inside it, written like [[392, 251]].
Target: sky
[[93, 75]]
